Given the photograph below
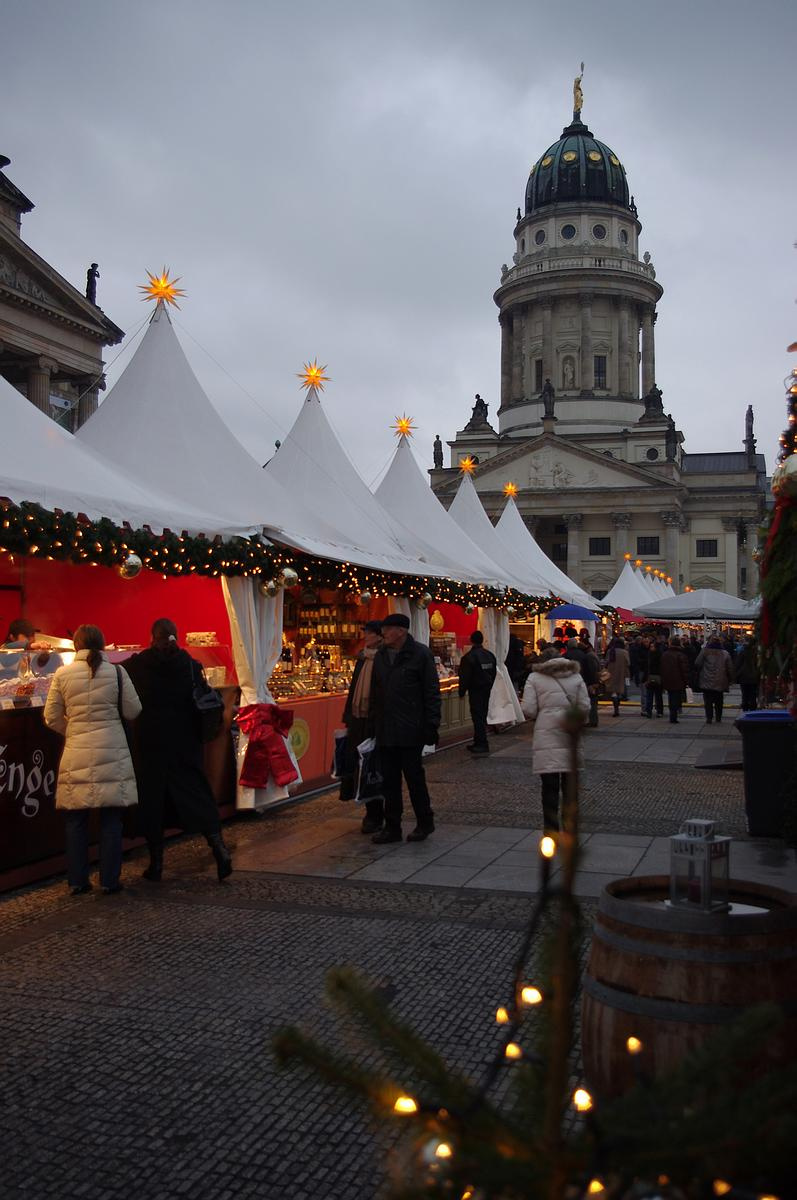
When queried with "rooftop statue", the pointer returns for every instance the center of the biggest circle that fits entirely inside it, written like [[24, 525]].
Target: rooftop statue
[[578, 95], [437, 450], [478, 418]]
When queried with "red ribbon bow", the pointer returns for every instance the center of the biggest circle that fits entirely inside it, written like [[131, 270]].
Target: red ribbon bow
[[266, 726]]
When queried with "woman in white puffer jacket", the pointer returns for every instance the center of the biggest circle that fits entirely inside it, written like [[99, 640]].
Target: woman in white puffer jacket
[[96, 770], [554, 686]]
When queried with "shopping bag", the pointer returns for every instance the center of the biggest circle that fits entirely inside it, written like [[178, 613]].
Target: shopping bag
[[690, 695], [428, 750], [369, 775], [338, 768]]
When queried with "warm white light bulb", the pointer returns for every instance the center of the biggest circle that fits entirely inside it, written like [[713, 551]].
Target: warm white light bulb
[[531, 995], [633, 1045], [405, 1104], [512, 1050], [443, 1150], [502, 1016], [547, 847], [582, 1100]]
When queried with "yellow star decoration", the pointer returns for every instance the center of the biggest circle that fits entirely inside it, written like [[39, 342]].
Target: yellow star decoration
[[313, 376], [467, 465], [162, 288], [510, 489], [404, 426]]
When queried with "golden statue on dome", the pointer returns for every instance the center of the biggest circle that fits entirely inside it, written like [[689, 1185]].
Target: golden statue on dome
[[578, 95]]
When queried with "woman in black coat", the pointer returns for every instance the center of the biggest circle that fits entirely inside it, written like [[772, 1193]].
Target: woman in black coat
[[173, 789]]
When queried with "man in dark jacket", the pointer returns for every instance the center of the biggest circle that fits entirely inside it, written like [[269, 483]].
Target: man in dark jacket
[[589, 666], [515, 661], [477, 673], [674, 668], [406, 709]]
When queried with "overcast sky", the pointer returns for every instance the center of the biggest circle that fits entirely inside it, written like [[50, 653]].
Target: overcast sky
[[340, 179]]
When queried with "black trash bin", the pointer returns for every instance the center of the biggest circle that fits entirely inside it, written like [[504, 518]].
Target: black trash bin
[[769, 746]]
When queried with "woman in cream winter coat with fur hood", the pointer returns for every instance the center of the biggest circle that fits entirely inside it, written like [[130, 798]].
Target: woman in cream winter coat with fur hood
[[554, 686], [96, 770]]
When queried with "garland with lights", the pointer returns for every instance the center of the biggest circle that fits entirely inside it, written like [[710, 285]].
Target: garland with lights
[[778, 620], [711, 1128], [29, 529]]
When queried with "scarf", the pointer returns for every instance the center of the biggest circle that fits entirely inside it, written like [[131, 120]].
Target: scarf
[[361, 700]]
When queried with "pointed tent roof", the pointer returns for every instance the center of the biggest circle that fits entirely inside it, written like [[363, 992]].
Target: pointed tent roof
[[467, 511], [313, 464], [404, 489], [523, 548], [628, 592], [44, 464]]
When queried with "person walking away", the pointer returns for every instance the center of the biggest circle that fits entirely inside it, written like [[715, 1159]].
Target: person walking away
[[554, 686], [618, 664], [715, 674], [358, 719], [589, 667], [406, 709], [653, 689], [674, 677], [477, 672], [96, 770], [515, 661], [748, 673], [635, 654], [173, 787]]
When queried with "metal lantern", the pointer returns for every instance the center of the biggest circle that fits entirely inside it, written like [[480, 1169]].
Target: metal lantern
[[699, 868]]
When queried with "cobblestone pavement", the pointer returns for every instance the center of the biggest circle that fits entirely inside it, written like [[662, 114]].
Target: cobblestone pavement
[[136, 1029]]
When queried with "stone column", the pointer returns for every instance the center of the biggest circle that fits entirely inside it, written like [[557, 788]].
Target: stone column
[[547, 341], [574, 521], [517, 355], [622, 526], [87, 404], [648, 355], [39, 373], [625, 383], [751, 545], [506, 358], [587, 361], [532, 523], [672, 534], [731, 527]]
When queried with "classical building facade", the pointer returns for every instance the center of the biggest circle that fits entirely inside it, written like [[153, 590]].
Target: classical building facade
[[51, 336], [600, 467]]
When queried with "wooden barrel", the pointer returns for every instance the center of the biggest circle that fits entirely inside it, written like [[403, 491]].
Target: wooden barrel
[[670, 977]]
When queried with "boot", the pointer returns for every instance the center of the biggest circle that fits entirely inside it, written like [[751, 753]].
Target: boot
[[155, 869], [616, 703], [221, 855]]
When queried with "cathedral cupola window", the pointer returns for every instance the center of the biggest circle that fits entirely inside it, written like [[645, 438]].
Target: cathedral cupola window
[[568, 232], [539, 236], [599, 232], [624, 237]]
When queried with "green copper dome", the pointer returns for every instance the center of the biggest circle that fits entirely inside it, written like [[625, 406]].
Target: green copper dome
[[577, 167]]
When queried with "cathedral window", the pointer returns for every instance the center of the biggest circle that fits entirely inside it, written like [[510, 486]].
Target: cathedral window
[[568, 232], [599, 232], [539, 236], [652, 454], [624, 237], [599, 362], [600, 547], [537, 374], [522, 245], [559, 552], [647, 545], [706, 548]]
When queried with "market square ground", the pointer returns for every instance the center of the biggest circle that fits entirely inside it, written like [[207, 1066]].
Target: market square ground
[[137, 1029]]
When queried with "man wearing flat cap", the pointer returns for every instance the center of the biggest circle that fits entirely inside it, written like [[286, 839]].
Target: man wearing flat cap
[[406, 709], [359, 722]]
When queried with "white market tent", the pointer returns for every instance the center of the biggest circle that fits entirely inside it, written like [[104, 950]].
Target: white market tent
[[523, 549], [404, 490], [466, 509], [704, 604], [40, 462], [628, 592]]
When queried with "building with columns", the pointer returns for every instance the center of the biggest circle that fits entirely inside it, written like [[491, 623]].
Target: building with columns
[[601, 468], [51, 336]]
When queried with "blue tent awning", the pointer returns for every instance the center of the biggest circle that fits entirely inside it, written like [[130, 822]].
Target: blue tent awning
[[571, 612]]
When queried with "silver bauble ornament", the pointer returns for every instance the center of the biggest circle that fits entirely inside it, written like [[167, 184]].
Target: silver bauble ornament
[[131, 567], [511, 610], [424, 601], [289, 577], [784, 478], [470, 608], [365, 597], [268, 587]]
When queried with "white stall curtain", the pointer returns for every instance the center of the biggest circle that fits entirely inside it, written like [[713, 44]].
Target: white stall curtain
[[256, 628], [419, 617], [504, 706]]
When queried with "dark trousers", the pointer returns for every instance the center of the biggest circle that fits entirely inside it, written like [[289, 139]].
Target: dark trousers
[[77, 846], [712, 702], [674, 703], [479, 703], [653, 693], [553, 786], [749, 697], [405, 760], [593, 710]]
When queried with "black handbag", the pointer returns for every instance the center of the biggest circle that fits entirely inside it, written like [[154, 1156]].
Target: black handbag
[[208, 704], [126, 725]]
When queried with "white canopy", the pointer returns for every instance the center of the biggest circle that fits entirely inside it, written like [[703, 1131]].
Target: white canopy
[[523, 549], [469, 514], [703, 604], [628, 592], [42, 463], [404, 490]]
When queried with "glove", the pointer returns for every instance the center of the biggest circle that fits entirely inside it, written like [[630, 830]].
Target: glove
[[431, 736]]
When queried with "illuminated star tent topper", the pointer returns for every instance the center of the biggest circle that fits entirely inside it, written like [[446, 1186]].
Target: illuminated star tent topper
[[467, 465], [162, 288], [404, 426], [313, 376], [510, 489]]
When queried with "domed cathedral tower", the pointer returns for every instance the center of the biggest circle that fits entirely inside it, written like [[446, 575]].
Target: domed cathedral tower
[[577, 299]]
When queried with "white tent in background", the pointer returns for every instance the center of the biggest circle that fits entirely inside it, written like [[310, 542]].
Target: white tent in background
[[523, 549], [629, 592], [467, 511], [42, 463], [404, 490], [700, 605]]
